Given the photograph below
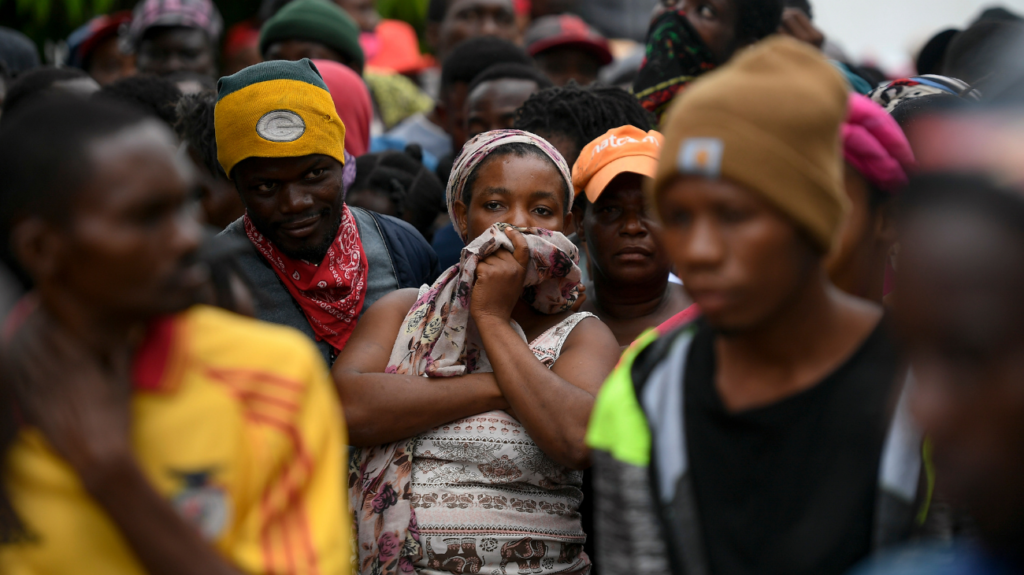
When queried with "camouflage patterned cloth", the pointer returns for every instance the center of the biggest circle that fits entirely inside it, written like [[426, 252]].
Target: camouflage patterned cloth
[[676, 55]]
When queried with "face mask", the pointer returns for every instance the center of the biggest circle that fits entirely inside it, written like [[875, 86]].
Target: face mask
[[676, 55]]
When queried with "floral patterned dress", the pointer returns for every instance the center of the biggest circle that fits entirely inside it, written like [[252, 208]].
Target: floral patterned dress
[[487, 499]]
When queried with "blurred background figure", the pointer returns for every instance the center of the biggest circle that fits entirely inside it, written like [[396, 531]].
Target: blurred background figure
[[315, 29], [319, 29], [571, 117], [41, 83], [218, 198], [451, 22], [566, 48], [17, 52], [497, 93], [389, 45], [443, 132], [96, 48], [977, 53], [5, 79], [352, 101], [170, 36], [152, 95], [688, 38], [397, 184], [618, 18], [241, 47]]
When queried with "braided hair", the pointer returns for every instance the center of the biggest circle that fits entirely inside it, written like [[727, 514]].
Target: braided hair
[[581, 114]]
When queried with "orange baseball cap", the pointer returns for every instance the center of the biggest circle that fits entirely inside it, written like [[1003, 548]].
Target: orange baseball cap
[[621, 150]]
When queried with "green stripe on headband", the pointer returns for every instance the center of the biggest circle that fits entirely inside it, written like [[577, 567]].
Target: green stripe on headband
[[303, 71]]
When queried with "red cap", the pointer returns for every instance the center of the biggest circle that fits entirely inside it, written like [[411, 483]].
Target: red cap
[[566, 30]]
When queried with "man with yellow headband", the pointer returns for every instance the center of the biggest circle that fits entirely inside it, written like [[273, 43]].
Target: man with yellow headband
[[316, 264]]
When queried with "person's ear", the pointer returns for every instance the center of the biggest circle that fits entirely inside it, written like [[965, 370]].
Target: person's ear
[[38, 247], [885, 223], [462, 219], [572, 223]]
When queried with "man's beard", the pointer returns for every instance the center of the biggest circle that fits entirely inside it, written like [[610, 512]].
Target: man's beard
[[316, 254]]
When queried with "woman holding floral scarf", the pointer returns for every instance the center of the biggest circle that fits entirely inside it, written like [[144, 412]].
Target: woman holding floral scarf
[[470, 398]]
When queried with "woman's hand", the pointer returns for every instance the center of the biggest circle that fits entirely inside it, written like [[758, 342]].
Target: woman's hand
[[499, 280]]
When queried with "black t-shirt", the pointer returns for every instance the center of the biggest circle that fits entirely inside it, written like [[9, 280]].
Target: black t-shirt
[[790, 488]]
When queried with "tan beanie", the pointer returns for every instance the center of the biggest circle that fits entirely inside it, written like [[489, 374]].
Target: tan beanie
[[770, 120]]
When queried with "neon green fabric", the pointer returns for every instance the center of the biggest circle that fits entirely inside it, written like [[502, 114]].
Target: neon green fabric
[[618, 424], [929, 473]]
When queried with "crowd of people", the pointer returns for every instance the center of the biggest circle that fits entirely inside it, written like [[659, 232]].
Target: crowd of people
[[535, 287]]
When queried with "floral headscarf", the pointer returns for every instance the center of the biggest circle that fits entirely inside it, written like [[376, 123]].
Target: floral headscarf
[[438, 339], [480, 147]]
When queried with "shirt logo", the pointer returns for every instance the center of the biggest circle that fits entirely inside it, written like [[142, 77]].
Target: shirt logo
[[701, 157], [281, 126], [201, 504]]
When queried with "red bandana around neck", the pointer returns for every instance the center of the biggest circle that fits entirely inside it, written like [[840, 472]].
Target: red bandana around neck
[[331, 294]]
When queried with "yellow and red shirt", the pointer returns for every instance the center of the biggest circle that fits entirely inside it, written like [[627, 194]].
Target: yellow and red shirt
[[237, 423]]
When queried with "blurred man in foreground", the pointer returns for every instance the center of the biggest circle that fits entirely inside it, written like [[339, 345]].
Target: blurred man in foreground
[[157, 437], [960, 311], [760, 438]]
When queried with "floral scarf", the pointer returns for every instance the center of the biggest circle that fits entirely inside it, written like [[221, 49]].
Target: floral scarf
[[331, 294], [439, 340], [676, 55]]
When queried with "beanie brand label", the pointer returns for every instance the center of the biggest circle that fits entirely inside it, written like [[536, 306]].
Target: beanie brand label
[[281, 126], [701, 157]]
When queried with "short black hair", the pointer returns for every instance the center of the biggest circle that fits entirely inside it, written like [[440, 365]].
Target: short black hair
[[475, 55], [401, 176], [757, 19], [45, 147], [511, 71], [582, 114], [519, 150], [155, 95], [196, 126], [30, 85]]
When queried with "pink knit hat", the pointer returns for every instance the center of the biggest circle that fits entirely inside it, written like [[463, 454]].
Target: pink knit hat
[[874, 144]]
